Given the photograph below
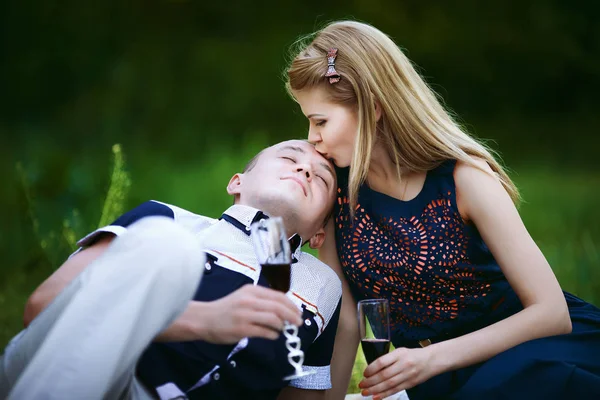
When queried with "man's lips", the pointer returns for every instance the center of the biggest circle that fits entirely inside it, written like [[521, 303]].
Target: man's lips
[[299, 182]]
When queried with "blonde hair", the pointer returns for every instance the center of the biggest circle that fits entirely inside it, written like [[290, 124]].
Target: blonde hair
[[414, 126]]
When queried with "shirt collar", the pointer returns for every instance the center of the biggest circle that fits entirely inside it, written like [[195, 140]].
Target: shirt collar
[[242, 217]]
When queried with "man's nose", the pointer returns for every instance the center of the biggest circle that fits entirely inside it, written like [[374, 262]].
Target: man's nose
[[305, 169]]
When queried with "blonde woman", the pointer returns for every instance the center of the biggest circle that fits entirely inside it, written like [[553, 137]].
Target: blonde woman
[[426, 218]]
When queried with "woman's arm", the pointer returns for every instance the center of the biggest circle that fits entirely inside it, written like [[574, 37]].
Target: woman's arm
[[483, 201], [346, 339]]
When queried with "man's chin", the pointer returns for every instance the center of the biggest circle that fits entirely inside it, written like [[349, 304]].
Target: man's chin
[[280, 205]]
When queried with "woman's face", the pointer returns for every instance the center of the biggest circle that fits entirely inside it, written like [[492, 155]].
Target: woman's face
[[333, 128]]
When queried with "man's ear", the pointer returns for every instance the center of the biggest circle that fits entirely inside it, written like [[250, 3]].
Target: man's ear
[[316, 241], [234, 185]]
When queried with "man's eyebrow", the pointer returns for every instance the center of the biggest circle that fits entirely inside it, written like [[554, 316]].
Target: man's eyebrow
[[293, 148], [328, 168], [301, 150]]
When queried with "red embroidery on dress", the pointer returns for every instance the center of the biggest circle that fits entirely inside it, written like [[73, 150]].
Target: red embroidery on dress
[[419, 264]]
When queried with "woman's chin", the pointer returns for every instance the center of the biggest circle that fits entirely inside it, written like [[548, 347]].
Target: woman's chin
[[340, 164]]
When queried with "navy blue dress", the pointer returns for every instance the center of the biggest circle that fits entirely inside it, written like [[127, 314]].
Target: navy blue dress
[[443, 282]]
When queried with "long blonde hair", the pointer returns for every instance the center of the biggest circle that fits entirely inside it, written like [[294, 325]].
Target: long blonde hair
[[414, 126]]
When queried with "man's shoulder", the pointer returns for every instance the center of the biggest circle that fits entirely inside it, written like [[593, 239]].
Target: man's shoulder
[[151, 208], [186, 217], [316, 270], [317, 284]]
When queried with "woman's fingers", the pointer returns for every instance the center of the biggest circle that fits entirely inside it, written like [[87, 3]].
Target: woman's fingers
[[394, 390], [401, 369], [392, 385], [390, 373], [381, 363]]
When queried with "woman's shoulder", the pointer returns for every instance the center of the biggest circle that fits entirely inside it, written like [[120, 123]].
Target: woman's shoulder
[[454, 166], [477, 186], [472, 172]]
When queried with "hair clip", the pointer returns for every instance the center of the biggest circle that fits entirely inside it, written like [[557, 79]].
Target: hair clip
[[331, 73]]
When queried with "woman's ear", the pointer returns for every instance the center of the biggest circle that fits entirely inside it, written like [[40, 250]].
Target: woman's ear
[[316, 241], [377, 111]]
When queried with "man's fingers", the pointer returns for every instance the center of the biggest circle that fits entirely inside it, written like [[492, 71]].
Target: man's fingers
[[283, 310], [276, 302], [266, 319], [262, 332]]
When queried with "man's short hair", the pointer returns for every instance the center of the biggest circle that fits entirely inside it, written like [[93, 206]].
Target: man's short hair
[[252, 163]]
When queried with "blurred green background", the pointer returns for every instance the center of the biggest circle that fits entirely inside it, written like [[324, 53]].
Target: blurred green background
[[192, 89]]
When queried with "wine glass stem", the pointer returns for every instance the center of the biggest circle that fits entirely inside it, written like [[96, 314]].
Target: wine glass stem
[[292, 342]]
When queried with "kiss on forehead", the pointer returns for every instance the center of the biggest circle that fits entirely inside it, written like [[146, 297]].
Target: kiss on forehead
[[323, 170]]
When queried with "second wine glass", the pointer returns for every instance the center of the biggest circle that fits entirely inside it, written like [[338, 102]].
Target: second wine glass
[[374, 328]]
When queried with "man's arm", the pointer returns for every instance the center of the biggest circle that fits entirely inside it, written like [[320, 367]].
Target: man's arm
[[95, 245], [69, 270], [250, 311], [320, 355]]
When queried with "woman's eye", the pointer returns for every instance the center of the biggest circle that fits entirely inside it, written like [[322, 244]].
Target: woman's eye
[[320, 123]]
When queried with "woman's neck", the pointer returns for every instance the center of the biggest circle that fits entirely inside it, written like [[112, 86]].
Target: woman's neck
[[382, 168]]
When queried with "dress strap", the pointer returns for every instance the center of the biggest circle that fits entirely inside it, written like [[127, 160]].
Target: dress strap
[[446, 168]]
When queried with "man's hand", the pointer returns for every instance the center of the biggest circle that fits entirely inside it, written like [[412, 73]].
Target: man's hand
[[251, 311]]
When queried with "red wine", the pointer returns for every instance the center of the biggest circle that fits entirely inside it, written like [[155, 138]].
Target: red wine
[[278, 276], [374, 348]]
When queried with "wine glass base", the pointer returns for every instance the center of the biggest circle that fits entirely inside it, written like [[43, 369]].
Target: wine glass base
[[299, 375]]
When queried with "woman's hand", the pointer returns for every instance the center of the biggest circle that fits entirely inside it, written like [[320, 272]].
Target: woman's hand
[[396, 371]]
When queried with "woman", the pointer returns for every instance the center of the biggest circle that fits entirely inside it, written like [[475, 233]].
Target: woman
[[426, 218]]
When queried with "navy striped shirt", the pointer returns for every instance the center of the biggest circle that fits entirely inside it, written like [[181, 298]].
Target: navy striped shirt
[[252, 368]]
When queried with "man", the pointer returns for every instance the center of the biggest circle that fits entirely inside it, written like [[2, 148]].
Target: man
[[125, 327]]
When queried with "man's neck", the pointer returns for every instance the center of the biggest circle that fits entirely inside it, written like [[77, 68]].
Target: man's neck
[[245, 215], [289, 221]]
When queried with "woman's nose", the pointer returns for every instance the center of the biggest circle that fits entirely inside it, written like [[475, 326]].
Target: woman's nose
[[313, 136]]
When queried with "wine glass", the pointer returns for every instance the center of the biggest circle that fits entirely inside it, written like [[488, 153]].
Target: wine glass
[[374, 328], [275, 257]]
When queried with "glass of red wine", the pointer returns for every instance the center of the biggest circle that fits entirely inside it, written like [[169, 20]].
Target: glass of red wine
[[374, 328], [275, 258]]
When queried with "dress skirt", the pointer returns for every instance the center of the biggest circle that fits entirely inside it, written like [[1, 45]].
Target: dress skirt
[[557, 367]]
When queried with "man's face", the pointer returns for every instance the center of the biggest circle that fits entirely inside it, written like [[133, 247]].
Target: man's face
[[292, 180]]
